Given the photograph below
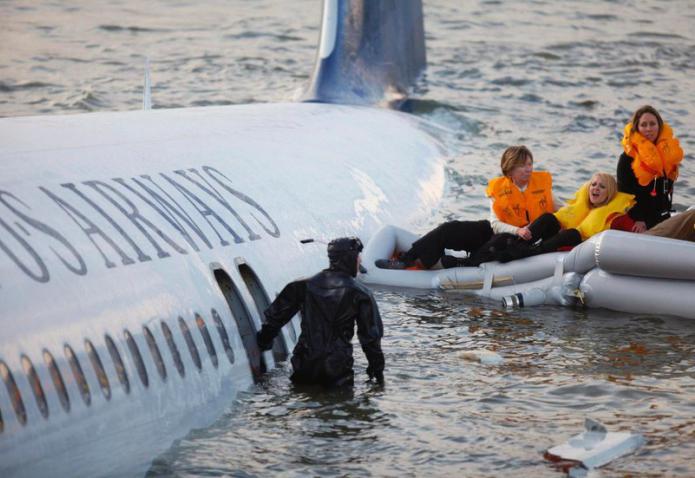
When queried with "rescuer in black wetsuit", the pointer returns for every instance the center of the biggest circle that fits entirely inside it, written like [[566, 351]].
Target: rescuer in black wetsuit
[[331, 302]]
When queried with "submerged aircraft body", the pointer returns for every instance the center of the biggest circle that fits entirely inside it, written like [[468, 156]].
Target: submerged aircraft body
[[139, 249]]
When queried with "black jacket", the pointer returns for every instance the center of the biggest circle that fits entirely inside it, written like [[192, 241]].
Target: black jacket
[[331, 302], [652, 209]]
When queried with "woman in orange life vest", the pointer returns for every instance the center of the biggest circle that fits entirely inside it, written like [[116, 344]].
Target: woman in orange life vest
[[517, 198], [648, 167], [596, 206]]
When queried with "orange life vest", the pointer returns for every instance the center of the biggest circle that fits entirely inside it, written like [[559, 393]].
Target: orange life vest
[[651, 160], [520, 208]]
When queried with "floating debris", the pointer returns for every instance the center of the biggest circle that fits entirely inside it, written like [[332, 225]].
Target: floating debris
[[487, 357], [594, 447]]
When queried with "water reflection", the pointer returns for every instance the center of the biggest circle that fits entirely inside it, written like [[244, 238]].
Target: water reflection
[[277, 426]]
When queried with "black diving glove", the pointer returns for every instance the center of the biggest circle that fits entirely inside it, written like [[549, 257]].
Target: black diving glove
[[375, 375], [263, 339]]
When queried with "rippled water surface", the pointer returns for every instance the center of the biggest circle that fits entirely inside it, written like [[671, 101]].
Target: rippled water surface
[[443, 415], [559, 76]]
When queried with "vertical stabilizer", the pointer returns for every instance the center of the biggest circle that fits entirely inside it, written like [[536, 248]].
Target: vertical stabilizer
[[370, 52]]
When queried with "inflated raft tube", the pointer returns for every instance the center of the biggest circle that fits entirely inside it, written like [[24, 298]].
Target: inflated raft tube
[[616, 270], [551, 290], [598, 288], [390, 239], [639, 295], [631, 254]]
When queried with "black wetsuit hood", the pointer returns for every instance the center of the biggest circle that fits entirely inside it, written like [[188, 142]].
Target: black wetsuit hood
[[342, 254]]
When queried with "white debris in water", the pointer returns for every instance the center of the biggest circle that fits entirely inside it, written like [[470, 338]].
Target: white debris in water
[[596, 446], [486, 357]]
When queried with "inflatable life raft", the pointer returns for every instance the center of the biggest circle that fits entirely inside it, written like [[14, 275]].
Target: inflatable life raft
[[616, 270]]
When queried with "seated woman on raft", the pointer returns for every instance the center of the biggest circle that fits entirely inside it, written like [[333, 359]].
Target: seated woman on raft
[[596, 207], [518, 197], [648, 167]]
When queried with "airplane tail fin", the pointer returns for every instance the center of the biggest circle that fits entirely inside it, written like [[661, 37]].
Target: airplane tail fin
[[370, 52]]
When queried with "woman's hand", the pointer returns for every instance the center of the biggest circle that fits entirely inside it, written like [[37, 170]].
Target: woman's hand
[[639, 227], [524, 233]]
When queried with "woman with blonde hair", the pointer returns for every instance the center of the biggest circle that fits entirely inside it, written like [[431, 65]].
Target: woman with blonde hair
[[595, 206]]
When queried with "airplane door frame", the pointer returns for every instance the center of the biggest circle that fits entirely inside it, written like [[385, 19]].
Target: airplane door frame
[[243, 319]]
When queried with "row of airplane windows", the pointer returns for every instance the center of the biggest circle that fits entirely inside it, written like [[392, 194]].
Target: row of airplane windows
[[119, 366], [231, 295]]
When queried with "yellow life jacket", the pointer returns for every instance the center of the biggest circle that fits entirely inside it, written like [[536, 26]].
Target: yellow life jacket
[[520, 208], [577, 214], [653, 160]]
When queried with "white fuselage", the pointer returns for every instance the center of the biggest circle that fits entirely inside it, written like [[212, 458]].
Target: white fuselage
[[112, 224]]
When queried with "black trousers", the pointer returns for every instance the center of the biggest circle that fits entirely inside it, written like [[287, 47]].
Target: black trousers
[[466, 236], [546, 228], [507, 247], [564, 238]]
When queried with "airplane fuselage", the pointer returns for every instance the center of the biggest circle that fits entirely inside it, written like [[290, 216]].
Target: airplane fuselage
[[137, 250]]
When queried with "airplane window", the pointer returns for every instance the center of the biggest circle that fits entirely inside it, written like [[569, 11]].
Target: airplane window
[[191, 345], [57, 380], [82, 384], [223, 336], [98, 369], [117, 363], [36, 387], [13, 392], [172, 347], [156, 356], [137, 358], [206, 338]]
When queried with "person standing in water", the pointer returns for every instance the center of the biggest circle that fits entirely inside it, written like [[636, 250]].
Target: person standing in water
[[331, 303]]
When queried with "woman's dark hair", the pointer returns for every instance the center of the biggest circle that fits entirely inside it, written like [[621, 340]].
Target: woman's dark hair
[[646, 109]]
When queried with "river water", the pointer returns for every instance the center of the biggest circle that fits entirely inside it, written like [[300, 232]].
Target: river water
[[561, 77]]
